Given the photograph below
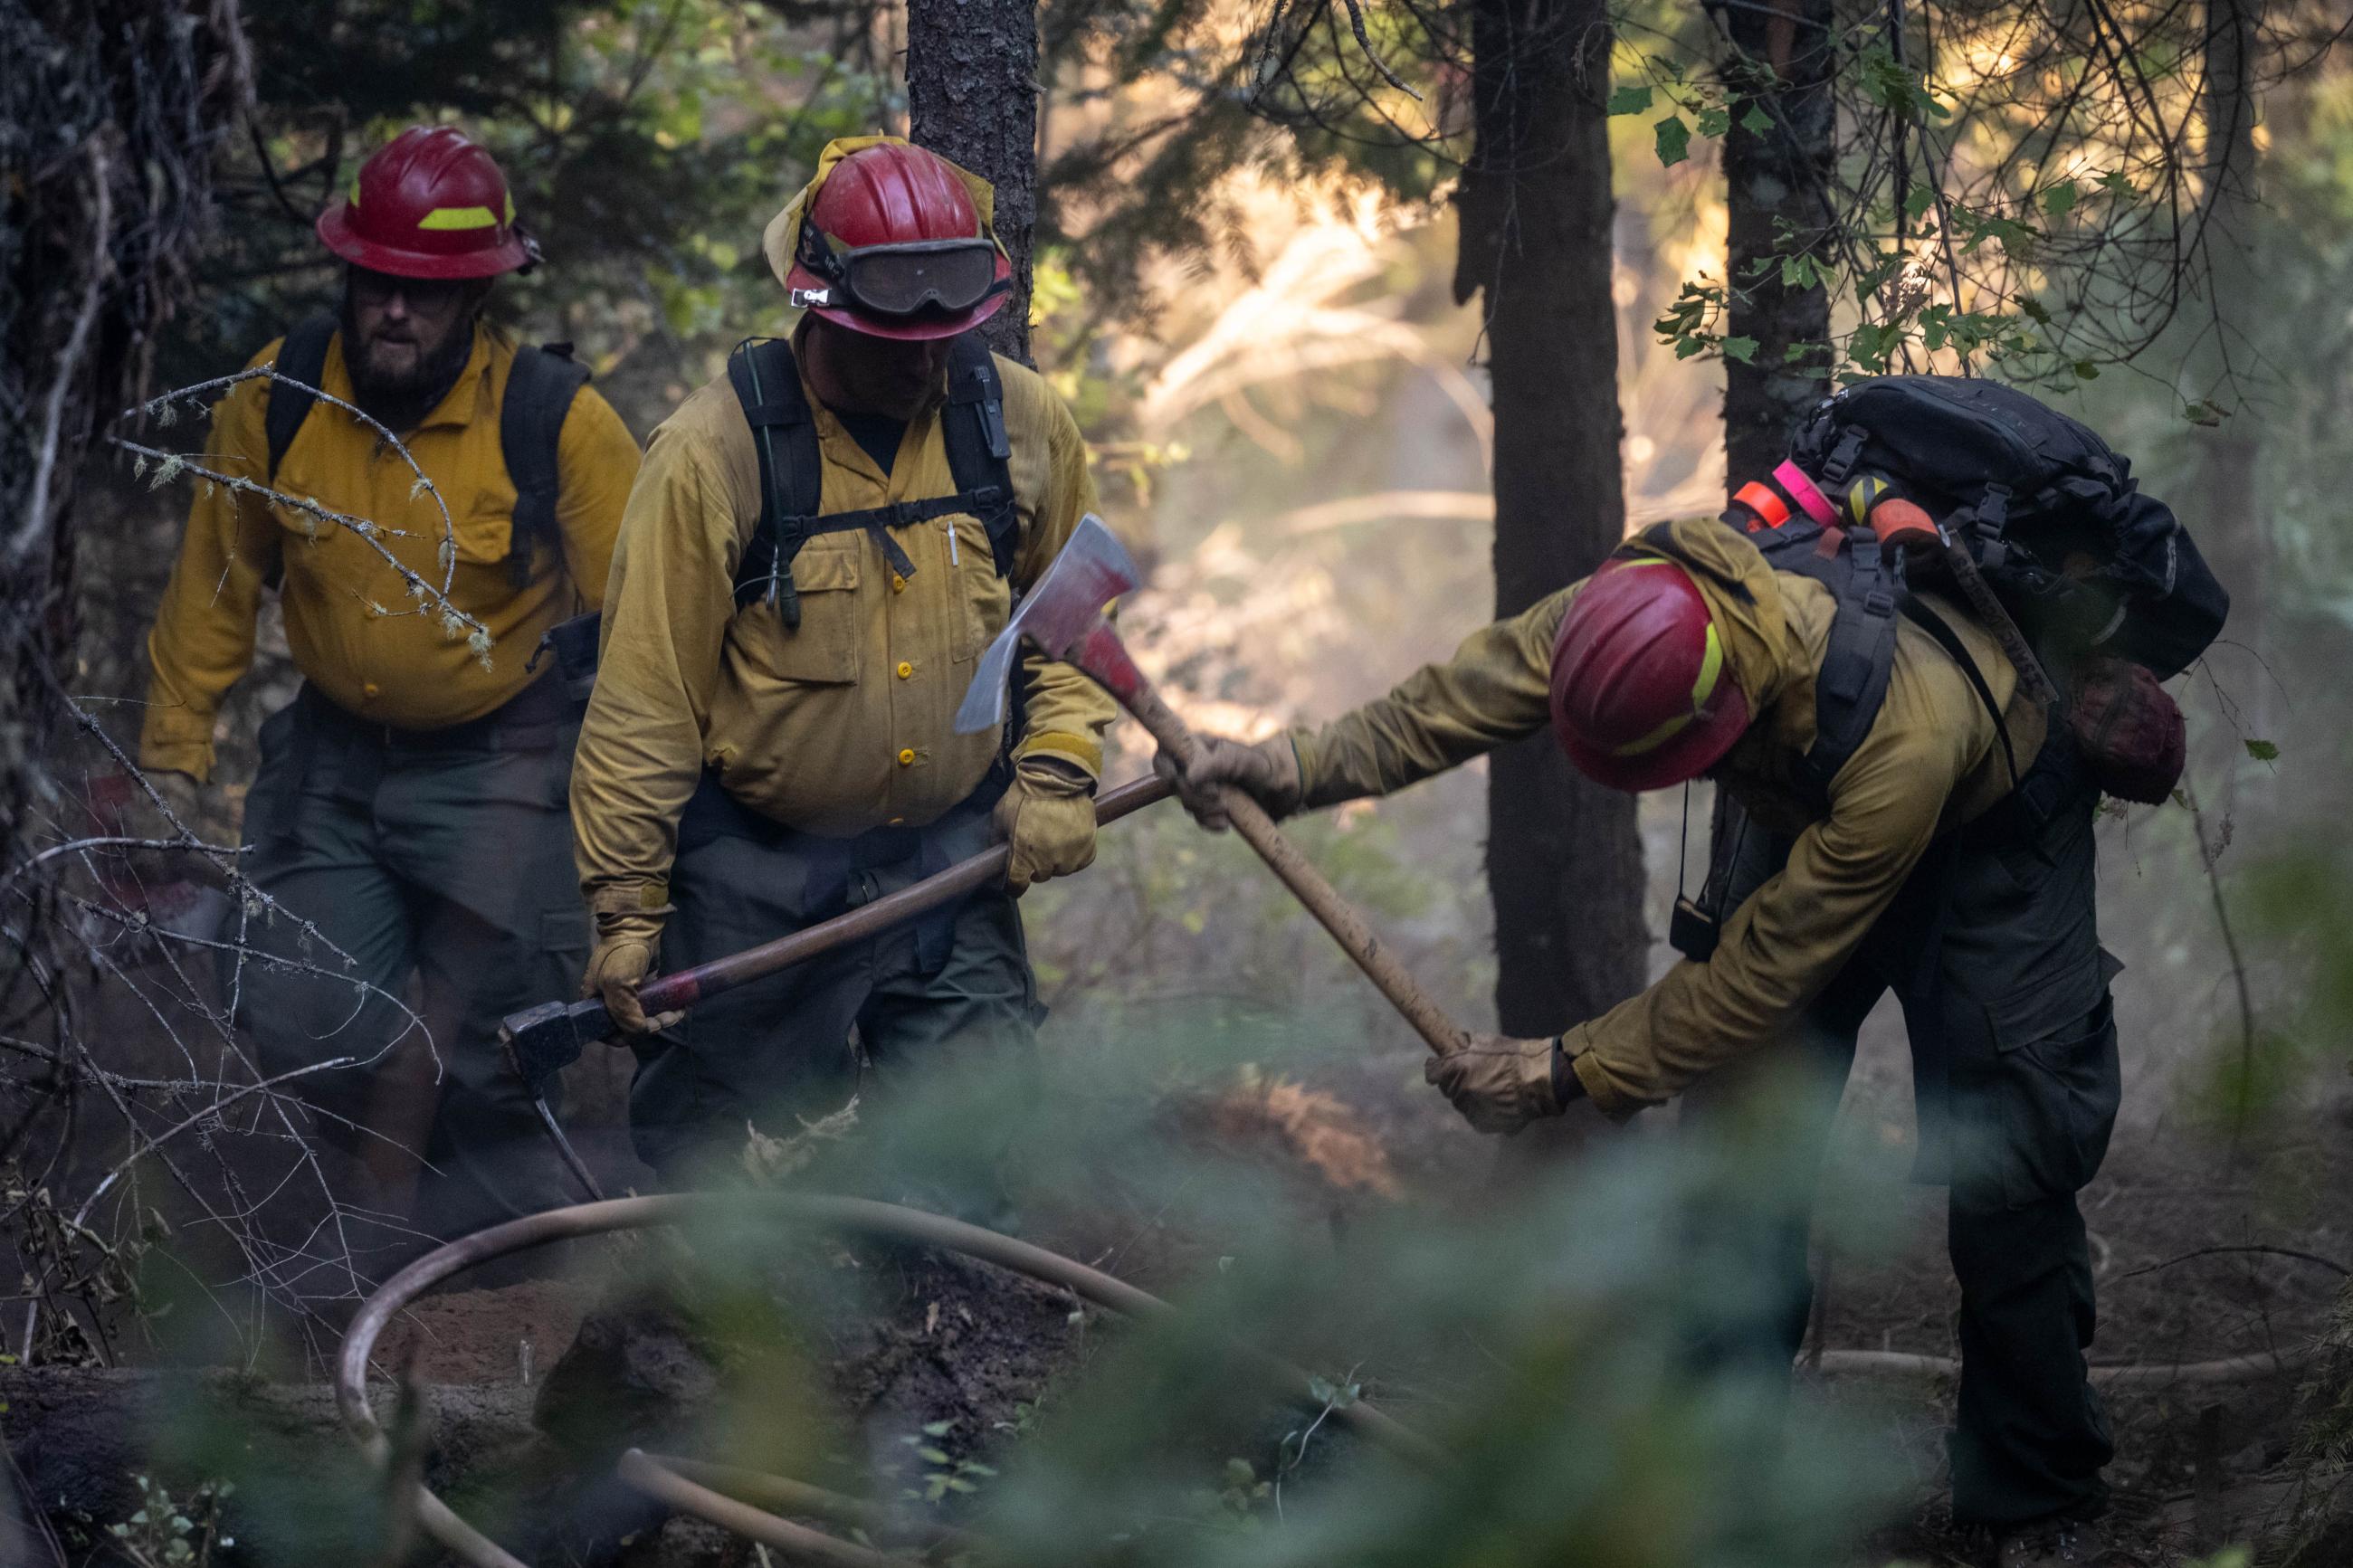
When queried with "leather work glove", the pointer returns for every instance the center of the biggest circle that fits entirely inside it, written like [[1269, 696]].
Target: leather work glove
[[1048, 817], [1268, 773], [1498, 1083], [124, 809], [627, 941]]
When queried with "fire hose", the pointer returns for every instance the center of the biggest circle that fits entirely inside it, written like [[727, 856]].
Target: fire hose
[[860, 1216]]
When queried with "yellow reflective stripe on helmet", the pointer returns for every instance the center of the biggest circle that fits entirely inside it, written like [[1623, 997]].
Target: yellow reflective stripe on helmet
[[1711, 668], [510, 209], [1711, 665], [459, 217]]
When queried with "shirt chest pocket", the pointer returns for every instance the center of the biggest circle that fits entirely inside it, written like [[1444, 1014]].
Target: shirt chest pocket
[[824, 647], [485, 529], [984, 599]]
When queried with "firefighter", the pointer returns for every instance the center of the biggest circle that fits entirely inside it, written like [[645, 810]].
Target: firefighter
[[409, 804], [823, 540], [1924, 840]]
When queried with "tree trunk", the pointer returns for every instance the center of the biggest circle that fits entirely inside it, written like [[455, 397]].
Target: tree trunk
[[971, 96], [1773, 182], [1564, 865], [124, 99], [2231, 519]]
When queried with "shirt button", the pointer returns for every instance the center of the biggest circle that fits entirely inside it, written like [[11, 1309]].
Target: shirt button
[[371, 689], [905, 669], [898, 583], [907, 758]]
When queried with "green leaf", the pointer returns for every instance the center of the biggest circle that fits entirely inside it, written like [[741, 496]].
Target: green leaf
[[2060, 199], [934, 1455], [1630, 100], [2262, 750], [1742, 349], [938, 1428], [1674, 141], [1715, 121], [1919, 199], [1686, 347], [2086, 370], [1757, 121]]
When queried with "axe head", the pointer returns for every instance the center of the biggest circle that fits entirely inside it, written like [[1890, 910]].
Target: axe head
[[1092, 570]]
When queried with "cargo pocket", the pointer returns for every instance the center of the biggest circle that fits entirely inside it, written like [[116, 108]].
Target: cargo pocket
[[984, 599], [269, 800], [824, 647], [2057, 1086], [564, 933]]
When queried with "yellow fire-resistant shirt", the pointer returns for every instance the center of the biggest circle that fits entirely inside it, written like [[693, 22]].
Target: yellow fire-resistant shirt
[[352, 627], [845, 723], [1932, 762]]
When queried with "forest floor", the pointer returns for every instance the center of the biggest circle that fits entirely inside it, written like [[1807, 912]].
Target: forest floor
[[2179, 1227]]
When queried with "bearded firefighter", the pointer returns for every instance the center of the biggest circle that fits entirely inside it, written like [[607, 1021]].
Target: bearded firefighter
[[1901, 824], [823, 540], [408, 805]]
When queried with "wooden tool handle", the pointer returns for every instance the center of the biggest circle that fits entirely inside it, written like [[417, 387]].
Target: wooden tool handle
[[688, 986], [1334, 912]]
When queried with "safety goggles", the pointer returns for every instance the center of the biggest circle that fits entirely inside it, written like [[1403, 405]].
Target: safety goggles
[[949, 275]]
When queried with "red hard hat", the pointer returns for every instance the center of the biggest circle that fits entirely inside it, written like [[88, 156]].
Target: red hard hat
[[896, 194], [1640, 698], [431, 204]]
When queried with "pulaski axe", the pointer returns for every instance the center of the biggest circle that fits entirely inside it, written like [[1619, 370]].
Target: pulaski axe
[[543, 1041], [1066, 614]]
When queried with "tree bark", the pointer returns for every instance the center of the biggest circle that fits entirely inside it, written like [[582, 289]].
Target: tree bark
[[1773, 182], [971, 96], [1564, 865], [2226, 487]]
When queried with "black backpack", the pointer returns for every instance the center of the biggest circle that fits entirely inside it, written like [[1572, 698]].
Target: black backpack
[[768, 384], [540, 390], [2083, 560]]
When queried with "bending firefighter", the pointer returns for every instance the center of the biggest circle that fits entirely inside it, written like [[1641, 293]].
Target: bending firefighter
[[409, 804], [822, 543], [1907, 817]]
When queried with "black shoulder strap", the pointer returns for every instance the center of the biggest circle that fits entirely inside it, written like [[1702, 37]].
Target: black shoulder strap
[[303, 357], [1938, 627], [979, 450], [540, 386], [767, 384], [1852, 683]]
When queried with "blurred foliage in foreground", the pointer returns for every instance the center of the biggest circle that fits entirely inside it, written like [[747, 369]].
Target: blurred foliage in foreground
[[1575, 1346]]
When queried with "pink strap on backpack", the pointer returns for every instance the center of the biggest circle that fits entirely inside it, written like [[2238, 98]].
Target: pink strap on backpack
[[1802, 489]]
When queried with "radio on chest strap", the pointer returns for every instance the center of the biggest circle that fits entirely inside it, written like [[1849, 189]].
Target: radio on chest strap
[[767, 384]]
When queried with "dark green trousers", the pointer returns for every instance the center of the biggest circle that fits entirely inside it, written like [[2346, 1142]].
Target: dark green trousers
[[1994, 953], [866, 1018], [444, 860]]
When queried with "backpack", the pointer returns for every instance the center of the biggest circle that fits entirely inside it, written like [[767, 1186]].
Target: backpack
[[2084, 561], [767, 384], [540, 390]]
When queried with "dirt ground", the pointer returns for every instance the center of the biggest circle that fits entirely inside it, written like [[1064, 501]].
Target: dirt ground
[[2190, 1452], [2179, 1225]]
